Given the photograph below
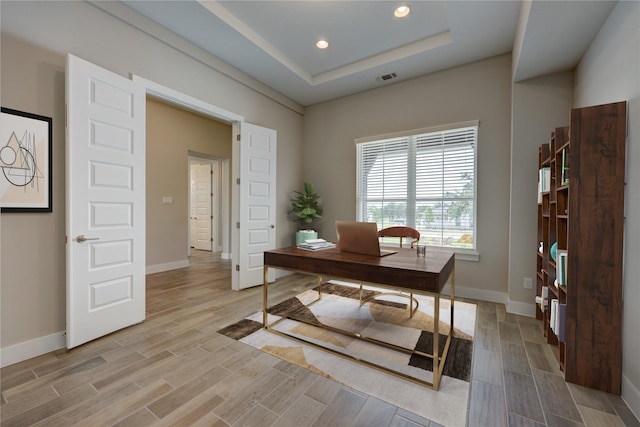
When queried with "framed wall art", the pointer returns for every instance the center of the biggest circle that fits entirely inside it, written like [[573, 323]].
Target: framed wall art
[[25, 159]]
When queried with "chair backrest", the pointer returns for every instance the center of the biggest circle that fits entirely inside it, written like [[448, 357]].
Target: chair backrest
[[401, 232]]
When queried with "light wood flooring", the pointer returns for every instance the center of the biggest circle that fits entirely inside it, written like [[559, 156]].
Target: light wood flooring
[[174, 369]]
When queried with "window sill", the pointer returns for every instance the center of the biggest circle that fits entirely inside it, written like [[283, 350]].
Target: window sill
[[461, 255]]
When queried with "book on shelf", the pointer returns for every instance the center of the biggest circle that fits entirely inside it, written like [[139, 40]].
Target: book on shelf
[[557, 316], [553, 315], [564, 171], [544, 179], [316, 245], [560, 321], [561, 267]]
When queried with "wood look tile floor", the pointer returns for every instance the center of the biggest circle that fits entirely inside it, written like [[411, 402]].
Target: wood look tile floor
[[174, 369]]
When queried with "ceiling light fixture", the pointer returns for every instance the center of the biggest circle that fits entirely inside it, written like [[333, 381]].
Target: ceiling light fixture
[[322, 44], [401, 11]]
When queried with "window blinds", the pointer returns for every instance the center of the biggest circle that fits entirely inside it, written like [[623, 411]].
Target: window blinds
[[424, 180]]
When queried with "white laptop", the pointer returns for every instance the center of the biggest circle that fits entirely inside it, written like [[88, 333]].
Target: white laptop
[[360, 238]]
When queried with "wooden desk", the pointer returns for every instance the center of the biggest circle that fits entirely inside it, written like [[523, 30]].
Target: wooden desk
[[403, 270]]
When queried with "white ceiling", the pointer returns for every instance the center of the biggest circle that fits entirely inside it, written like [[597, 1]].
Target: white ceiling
[[274, 41]]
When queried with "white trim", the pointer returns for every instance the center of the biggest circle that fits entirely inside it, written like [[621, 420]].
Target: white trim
[[521, 308], [190, 103], [468, 256], [479, 294], [159, 268], [32, 348], [225, 255], [174, 97], [631, 396], [441, 128]]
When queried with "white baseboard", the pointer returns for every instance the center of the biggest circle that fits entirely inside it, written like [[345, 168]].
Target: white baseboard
[[159, 268], [524, 309], [32, 348], [479, 294], [631, 396], [521, 308]]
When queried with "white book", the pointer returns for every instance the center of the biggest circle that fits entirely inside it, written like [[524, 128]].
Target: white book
[[553, 315], [315, 241]]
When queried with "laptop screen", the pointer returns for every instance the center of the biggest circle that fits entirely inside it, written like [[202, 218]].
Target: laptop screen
[[359, 237]]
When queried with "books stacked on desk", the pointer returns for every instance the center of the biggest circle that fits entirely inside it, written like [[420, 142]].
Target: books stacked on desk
[[316, 245]]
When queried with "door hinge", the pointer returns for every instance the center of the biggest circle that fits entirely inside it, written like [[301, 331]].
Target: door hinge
[[212, 239], [237, 225], [238, 137], [238, 181], [66, 240], [237, 267]]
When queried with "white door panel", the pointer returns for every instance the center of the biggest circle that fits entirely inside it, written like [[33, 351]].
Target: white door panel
[[256, 209], [105, 178], [203, 206]]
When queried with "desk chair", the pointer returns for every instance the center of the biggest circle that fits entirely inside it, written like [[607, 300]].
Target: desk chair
[[402, 233]]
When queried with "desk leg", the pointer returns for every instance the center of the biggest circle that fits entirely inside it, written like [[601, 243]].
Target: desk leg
[[453, 296], [265, 296], [436, 344]]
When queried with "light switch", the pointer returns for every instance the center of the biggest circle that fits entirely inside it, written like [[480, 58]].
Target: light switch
[[167, 200]]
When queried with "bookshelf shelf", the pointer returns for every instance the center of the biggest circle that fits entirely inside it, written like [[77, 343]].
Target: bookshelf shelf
[[583, 213]]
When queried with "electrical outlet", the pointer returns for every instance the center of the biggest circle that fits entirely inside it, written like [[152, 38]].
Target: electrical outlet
[[528, 283]]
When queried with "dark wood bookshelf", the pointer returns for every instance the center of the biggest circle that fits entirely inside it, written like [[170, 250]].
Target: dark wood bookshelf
[[583, 212]]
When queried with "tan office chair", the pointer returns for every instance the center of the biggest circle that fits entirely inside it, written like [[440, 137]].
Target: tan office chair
[[401, 232]]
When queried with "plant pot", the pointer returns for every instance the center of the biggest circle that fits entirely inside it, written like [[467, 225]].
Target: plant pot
[[302, 235]]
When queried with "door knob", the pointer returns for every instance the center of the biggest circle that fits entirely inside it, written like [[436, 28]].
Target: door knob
[[273, 226], [82, 238]]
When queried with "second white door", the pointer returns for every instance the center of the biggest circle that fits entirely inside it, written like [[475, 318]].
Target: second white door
[[201, 201]]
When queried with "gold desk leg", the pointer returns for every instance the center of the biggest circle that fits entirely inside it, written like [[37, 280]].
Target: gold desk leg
[[265, 296], [436, 345], [453, 296], [438, 368], [411, 308]]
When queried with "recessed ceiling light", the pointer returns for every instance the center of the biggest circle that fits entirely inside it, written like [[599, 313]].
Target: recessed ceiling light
[[401, 11], [322, 44]]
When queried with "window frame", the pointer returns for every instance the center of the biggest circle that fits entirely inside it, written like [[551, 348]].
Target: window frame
[[413, 138]]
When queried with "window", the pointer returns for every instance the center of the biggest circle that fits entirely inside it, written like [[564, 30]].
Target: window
[[425, 179]]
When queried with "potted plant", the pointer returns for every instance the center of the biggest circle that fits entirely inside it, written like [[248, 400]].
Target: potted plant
[[305, 208]]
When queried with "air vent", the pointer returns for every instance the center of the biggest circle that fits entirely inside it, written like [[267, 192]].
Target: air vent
[[387, 77]]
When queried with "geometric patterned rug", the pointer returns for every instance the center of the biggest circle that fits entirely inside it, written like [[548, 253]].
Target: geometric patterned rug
[[383, 317]]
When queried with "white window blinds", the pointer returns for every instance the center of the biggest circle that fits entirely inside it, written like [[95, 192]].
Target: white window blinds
[[425, 180]]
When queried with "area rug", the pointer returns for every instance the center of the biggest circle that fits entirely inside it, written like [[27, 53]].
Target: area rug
[[382, 317]]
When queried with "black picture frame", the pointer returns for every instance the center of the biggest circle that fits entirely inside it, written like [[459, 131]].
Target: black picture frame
[[26, 143]]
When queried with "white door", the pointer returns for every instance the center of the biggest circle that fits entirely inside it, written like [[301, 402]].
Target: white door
[[192, 208], [105, 202], [256, 207], [203, 197]]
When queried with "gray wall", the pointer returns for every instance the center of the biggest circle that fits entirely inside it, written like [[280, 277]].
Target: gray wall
[[477, 91], [538, 107]]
